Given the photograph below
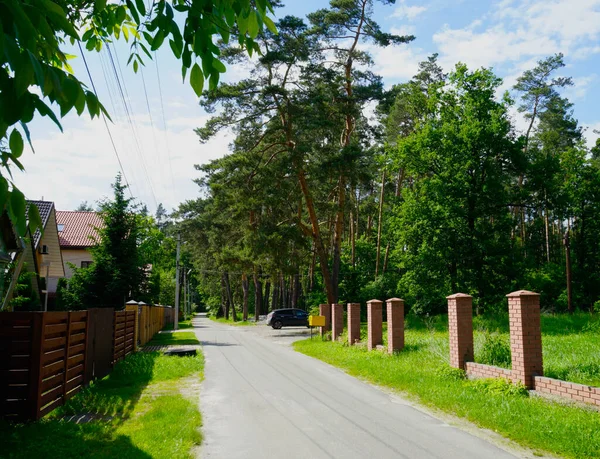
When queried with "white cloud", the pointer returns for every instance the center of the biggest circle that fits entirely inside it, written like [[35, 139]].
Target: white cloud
[[580, 87], [404, 11], [396, 63], [522, 30], [80, 164], [590, 135]]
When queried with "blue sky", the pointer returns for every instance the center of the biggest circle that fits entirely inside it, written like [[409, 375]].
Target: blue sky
[[158, 147]]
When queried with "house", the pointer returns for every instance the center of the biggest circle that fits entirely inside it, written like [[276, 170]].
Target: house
[[42, 254], [77, 232]]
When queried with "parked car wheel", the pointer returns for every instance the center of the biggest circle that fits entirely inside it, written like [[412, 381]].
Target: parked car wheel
[[277, 324]]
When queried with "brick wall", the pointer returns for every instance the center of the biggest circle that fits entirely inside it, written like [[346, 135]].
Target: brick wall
[[353, 323], [525, 336], [460, 328], [337, 321], [374, 323], [395, 323], [325, 310], [573, 391], [479, 370]]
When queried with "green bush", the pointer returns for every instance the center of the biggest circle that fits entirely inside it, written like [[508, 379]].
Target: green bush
[[495, 351], [448, 372], [499, 386]]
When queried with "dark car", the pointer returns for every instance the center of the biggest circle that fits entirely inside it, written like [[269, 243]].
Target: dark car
[[287, 318]]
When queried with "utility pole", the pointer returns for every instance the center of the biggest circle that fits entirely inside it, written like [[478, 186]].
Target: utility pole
[[176, 315], [185, 295], [566, 242]]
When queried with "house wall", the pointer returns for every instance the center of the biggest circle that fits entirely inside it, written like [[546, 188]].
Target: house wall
[[75, 256], [50, 239]]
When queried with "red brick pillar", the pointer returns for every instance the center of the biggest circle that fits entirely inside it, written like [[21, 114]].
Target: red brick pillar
[[337, 321], [325, 310], [353, 323], [460, 327], [395, 324], [525, 336], [374, 323]]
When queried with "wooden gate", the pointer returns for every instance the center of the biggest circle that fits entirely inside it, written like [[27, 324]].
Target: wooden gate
[[100, 343], [124, 337]]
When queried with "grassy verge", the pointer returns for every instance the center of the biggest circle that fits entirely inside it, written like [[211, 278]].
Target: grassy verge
[[238, 323], [173, 338], [147, 408], [421, 372], [183, 324]]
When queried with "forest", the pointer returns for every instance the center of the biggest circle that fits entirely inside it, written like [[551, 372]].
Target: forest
[[338, 189]]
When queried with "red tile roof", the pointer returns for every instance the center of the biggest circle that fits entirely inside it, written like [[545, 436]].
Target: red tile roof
[[79, 228]]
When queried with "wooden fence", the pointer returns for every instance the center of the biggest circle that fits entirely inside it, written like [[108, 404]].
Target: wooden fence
[[151, 319], [124, 336], [47, 357]]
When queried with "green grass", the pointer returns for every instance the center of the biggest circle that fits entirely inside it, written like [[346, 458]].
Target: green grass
[[238, 323], [173, 338], [153, 416], [421, 372], [183, 324]]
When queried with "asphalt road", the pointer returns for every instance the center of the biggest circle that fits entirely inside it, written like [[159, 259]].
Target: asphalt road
[[260, 399]]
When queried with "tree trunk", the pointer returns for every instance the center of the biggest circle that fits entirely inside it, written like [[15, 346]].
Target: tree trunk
[[295, 290], [275, 302], [337, 241], [225, 294], [385, 260], [267, 296], [547, 231], [568, 261], [380, 223], [229, 295], [257, 294], [316, 234], [245, 288], [352, 241]]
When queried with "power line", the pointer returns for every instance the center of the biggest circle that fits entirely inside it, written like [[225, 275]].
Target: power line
[[105, 122], [162, 109], [133, 129]]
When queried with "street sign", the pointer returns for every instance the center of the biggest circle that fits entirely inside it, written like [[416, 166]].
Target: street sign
[[316, 321]]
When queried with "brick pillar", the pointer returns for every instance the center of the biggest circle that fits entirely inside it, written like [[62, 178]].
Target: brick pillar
[[395, 324], [337, 321], [374, 323], [525, 336], [353, 323], [325, 310], [460, 327]]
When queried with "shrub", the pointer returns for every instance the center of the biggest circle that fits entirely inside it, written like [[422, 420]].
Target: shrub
[[495, 350], [499, 387], [448, 372]]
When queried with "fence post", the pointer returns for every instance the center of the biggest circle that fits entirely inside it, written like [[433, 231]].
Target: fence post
[[325, 310], [374, 323], [525, 336], [460, 328], [35, 371], [353, 323], [337, 321], [395, 324]]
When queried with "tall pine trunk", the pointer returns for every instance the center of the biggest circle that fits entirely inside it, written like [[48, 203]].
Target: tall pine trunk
[[245, 288], [229, 296], [258, 299], [380, 223]]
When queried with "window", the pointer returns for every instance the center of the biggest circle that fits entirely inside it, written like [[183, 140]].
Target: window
[[60, 227], [86, 264], [300, 314]]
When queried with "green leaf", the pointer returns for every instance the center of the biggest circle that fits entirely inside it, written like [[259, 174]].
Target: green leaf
[[135, 66], [44, 110], [133, 11], [270, 24], [158, 40], [17, 210], [35, 220], [99, 5], [92, 103], [197, 80], [80, 101], [39, 71], [175, 48], [3, 193], [141, 7], [121, 14], [218, 66], [16, 143], [27, 135], [253, 27]]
